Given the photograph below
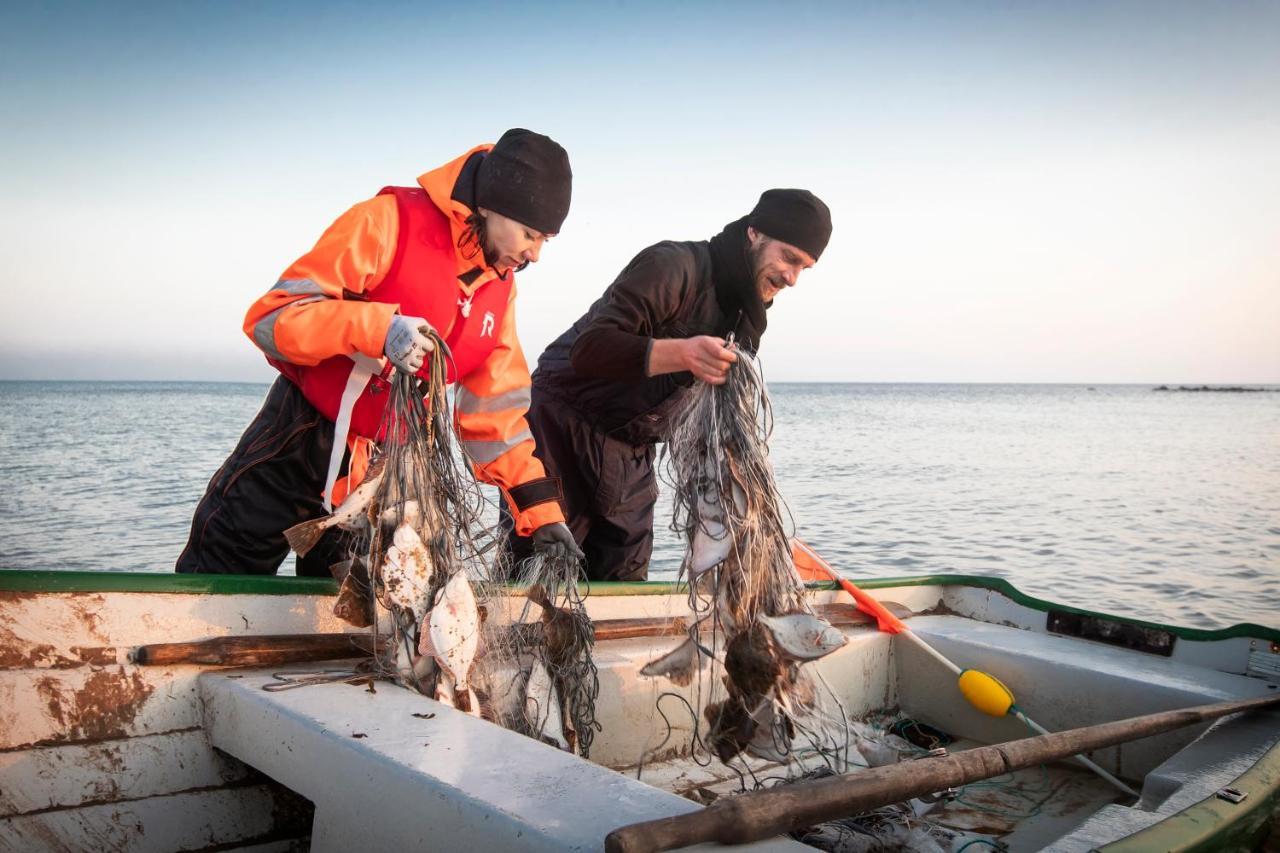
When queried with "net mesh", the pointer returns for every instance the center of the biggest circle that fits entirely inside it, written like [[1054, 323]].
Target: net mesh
[[747, 692]]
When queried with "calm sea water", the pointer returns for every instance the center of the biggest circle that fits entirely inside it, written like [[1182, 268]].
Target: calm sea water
[[1164, 506]]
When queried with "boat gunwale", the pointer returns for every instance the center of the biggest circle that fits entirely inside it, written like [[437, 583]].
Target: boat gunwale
[[48, 581], [1214, 824]]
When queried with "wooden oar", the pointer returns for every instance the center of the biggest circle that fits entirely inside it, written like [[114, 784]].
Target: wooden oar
[[984, 691], [270, 649], [785, 808], [255, 650]]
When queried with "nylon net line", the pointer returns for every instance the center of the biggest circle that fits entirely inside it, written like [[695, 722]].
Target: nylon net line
[[538, 669], [424, 574], [749, 688], [424, 551]]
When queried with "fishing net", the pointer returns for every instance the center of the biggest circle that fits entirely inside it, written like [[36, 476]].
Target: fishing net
[[894, 828], [423, 556], [547, 648], [753, 629], [425, 534]]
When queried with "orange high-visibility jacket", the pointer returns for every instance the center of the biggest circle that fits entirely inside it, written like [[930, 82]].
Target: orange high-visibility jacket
[[326, 304]]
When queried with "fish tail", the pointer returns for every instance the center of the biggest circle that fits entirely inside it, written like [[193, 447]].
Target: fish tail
[[467, 700], [303, 537]]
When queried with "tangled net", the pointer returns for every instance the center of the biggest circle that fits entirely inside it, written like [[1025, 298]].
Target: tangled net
[[754, 629], [420, 555], [545, 654], [424, 533]]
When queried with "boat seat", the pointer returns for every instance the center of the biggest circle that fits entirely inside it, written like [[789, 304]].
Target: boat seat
[[392, 769], [1211, 762], [1230, 747]]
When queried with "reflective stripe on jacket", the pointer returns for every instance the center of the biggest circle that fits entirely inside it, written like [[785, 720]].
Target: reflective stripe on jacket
[[400, 252]]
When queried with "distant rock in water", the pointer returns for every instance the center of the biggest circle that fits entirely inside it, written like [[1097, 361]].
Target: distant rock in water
[[1230, 389]]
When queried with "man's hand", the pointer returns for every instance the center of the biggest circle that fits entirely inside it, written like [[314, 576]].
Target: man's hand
[[554, 541], [407, 343], [707, 358]]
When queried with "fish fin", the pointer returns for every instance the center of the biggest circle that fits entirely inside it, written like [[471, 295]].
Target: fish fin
[[354, 605], [303, 537], [425, 646], [538, 595], [678, 665], [341, 570]]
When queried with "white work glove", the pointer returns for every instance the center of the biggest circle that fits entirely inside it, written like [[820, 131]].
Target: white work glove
[[554, 540], [407, 343]]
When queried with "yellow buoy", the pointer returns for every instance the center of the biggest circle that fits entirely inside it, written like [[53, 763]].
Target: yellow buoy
[[985, 692]]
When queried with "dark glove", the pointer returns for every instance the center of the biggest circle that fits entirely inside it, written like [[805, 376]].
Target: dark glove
[[554, 540]]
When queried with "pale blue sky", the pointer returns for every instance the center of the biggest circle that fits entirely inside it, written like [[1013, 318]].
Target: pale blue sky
[[1021, 192]]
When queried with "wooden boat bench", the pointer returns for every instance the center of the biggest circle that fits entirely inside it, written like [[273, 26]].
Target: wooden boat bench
[[392, 769]]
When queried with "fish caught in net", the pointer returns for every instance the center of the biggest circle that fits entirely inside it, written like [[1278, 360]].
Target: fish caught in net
[[424, 524], [421, 565], [754, 630], [547, 648]]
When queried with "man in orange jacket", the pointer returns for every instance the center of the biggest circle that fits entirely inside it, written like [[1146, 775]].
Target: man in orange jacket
[[440, 255]]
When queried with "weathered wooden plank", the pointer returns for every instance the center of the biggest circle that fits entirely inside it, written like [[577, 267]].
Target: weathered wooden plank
[[625, 629], [257, 650], [194, 820], [45, 707], [59, 630], [76, 775], [269, 649]]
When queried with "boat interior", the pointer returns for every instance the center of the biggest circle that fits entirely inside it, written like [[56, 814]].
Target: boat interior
[[878, 683], [103, 753]]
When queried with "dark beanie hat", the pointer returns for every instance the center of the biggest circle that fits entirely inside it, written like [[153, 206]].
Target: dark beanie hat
[[526, 177], [797, 217]]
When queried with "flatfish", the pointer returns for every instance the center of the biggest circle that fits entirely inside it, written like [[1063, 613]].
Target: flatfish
[[351, 514], [451, 635]]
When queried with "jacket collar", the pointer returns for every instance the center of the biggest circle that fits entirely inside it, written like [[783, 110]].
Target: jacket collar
[[451, 188]]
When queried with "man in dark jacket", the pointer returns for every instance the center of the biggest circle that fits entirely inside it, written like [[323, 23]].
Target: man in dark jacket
[[605, 391]]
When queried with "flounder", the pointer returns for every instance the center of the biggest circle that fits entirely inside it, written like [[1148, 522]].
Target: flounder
[[803, 636], [350, 514], [452, 633]]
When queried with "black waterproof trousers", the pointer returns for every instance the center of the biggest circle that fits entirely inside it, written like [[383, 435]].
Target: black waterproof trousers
[[609, 490], [272, 481]]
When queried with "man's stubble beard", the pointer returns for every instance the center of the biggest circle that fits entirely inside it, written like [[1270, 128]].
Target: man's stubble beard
[[755, 253]]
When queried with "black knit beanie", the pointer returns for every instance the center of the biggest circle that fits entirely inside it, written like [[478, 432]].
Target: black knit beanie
[[797, 217], [527, 178]]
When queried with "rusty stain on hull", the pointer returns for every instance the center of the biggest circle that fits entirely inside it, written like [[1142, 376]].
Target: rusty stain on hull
[[103, 708], [17, 652]]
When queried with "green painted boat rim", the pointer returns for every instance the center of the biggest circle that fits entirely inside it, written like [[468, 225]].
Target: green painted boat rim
[[149, 582], [1214, 824]]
